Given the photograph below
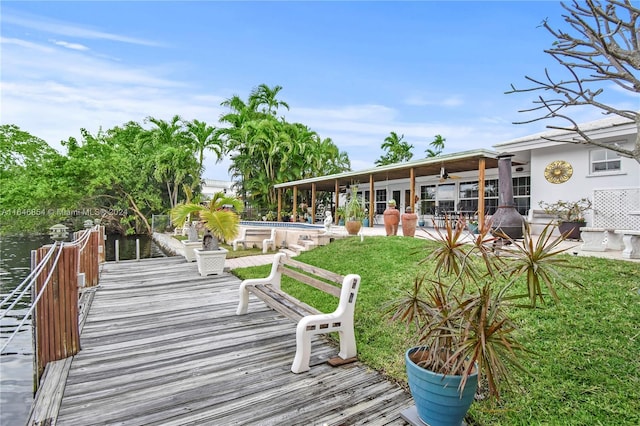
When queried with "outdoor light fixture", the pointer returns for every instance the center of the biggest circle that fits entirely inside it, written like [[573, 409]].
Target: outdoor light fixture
[[58, 232]]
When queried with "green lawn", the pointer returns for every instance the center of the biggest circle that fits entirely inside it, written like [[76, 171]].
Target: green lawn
[[585, 369]]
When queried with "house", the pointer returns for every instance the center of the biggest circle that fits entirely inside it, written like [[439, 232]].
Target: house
[[569, 171], [467, 182], [212, 186]]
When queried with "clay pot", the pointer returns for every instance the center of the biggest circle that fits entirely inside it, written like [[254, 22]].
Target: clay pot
[[353, 227], [391, 220], [409, 223]]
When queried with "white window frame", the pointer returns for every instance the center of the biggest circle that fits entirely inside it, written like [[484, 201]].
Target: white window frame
[[611, 157]]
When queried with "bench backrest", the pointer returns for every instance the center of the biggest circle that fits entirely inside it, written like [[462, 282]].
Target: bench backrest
[[349, 285], [286, 264]]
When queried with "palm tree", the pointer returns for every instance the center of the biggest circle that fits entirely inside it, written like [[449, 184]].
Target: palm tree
[[265, 97], [204, 137], [438, 147], [173, 155], [397, 150], [220, 216]]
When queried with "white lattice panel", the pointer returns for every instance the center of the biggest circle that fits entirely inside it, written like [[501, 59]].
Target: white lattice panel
[[615, 208]]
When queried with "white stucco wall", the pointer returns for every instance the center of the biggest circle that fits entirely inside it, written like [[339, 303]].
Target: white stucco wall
[[582, 183]]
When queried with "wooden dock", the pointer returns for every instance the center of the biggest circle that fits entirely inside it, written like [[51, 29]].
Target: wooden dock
[[162, 345]]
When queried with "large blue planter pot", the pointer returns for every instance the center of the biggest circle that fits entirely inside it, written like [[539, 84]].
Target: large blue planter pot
[[437, 398]]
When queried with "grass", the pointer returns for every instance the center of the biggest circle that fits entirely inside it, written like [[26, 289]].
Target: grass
[[585, 368]]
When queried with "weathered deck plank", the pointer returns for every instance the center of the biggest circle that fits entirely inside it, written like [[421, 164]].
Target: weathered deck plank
[[162, 345]]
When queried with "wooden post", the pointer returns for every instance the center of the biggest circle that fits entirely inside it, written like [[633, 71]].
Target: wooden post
[[101, 244], [279, 205], [294, 213], [372, 198], [89, 257], [337, 200], [481, 207], [94, 258], [313, 202], [57, 333], [412, 190]]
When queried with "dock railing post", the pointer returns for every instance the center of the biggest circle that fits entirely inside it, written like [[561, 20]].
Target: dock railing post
[[57, 334]]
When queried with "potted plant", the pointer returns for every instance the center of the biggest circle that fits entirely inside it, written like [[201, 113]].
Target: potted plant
[[341, 213], [354, 212], [409, 222], [221, 220], [570, 215], [391, 218], [459, 311]]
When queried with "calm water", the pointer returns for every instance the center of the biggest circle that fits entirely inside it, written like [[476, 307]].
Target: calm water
[[16, 364]]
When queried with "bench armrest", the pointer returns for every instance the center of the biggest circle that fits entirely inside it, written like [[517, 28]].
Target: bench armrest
[[273, 278]]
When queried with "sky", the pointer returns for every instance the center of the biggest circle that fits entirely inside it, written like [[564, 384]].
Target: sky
[[351, 71]]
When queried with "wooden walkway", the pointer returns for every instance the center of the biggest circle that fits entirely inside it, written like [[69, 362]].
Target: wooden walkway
[[162, 345]]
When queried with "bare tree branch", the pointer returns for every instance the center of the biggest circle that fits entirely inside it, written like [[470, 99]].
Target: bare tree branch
[[603, 49]]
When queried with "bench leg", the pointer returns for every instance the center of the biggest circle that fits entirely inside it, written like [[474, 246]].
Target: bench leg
[[593, 241], [243, 303], [266, 244], [347, 343], [303, 349], [614, 241], [631, 246]]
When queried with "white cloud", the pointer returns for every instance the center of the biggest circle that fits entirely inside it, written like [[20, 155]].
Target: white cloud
[[67, 29], [445, 101], [72, 46]]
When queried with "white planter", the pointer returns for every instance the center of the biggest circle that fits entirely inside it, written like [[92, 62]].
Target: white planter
[[210, 261], [189, 248]]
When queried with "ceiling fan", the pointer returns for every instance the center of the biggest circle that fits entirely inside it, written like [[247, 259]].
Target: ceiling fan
[[444, 175]]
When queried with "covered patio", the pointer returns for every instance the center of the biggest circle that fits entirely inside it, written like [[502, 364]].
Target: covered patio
[[476, 160]]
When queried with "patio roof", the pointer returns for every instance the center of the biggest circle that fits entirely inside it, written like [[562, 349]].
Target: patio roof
[[453, 163]]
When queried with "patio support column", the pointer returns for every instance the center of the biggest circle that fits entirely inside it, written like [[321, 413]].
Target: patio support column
[[371, 201], [294, 213], [412, 189], [313, 202], [279, 205], [481, 167], [337, 192]]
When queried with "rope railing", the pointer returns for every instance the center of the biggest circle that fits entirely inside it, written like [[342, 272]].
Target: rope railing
[[34, 302], [57, 273], [28, 281]]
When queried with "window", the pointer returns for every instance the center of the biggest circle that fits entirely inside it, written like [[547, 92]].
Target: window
[[468, 197], [604, 160], [381, 200], [490, 196], [446, 195], [521, 194], [428, 199]]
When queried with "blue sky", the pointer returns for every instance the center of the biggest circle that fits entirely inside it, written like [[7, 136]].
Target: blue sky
[[352, 71]]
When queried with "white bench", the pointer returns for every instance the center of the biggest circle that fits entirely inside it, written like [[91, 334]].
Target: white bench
[[631, 240], [247, 234], [310, 320], [269, 242], [538, 219], [600, 239]]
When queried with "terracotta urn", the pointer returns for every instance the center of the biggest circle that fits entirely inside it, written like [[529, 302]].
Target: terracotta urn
[[409, 223], [391, 218]]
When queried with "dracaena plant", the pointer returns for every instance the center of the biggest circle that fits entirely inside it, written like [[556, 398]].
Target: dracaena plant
[[460, 308]]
